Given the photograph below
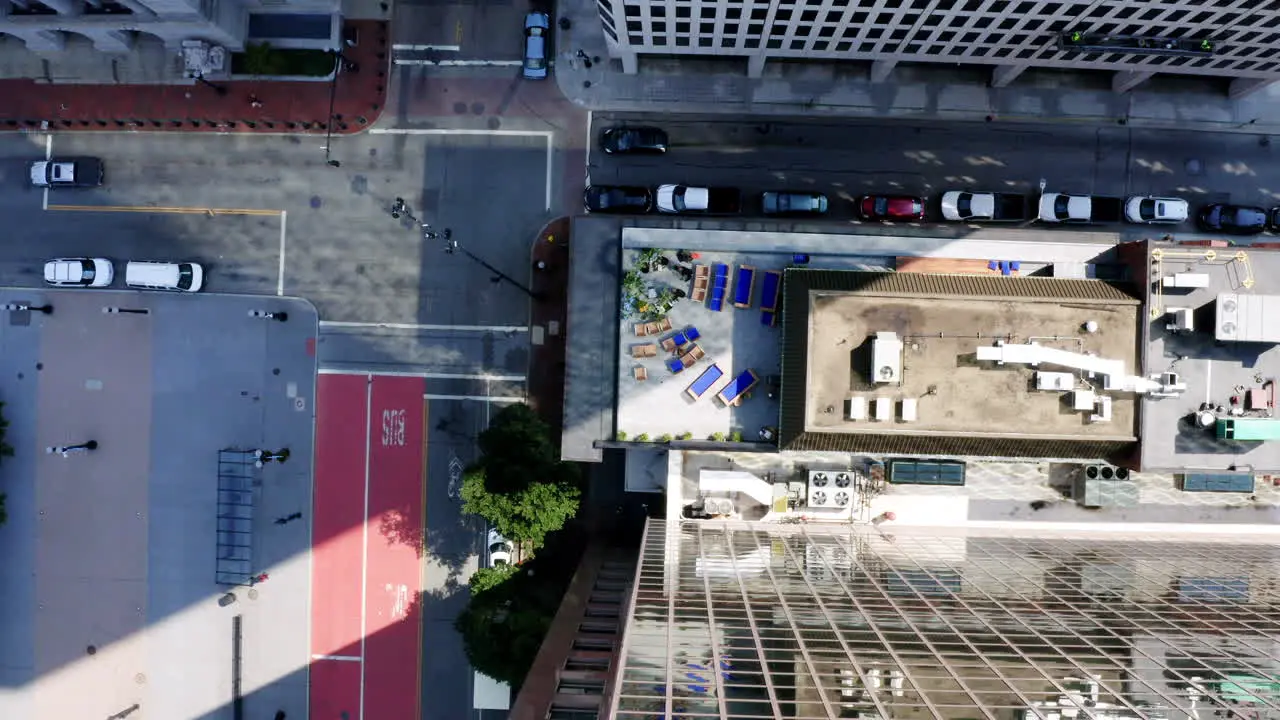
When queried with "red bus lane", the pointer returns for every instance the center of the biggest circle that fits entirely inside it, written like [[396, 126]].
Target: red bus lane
[[397, 488], [337, 557]]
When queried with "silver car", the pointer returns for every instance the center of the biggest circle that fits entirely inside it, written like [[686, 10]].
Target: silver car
[[536, 26]]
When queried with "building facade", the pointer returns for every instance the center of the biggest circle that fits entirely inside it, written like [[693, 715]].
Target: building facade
[[1132, 39], [50, 27], [739, 620]]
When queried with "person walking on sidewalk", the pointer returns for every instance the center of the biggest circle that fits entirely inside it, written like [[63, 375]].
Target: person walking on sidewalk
[[259, 578], [254, 102]]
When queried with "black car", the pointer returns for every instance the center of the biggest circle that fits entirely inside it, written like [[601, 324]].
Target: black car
[[1274, 217], [793, 203], [617, 199], [634, 140], [1233, 219]]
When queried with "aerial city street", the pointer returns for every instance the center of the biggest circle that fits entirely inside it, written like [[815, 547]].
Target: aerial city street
[[794, 359]]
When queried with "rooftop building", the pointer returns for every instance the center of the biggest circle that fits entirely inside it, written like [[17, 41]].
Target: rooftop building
[[1131, 41]]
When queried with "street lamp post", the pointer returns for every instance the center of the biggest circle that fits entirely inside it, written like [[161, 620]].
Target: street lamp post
[[266, 315], [333, 96], [127, 311], [262, 457], [452, 246], [20, 306], [67, 450]]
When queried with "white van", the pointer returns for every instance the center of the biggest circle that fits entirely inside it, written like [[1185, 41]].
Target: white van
[[185, 277]]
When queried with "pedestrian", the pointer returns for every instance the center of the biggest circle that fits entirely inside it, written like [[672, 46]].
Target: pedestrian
[[883, 517], [254, 102], [282, 520], [296, 516], [262, 577]]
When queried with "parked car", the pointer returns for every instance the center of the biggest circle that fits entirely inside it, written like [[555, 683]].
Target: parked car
[[1233, 219], [498, 551], [1080, 209], [699, 200], [1274, 216], [634, 140], [1153, 210], [79, 272], [67, 172], [184, 277], [617, 199], [793, 203], [984, 207], [891, 207], [536, 27]]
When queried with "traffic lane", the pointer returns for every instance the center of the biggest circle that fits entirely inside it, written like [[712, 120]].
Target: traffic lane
[[240, 254], [1107, 160], [491, 191], [499, 352], [454, 544], [481, 31]]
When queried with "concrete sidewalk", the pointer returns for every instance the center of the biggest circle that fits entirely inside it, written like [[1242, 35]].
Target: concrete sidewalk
[[925, 93], [151, 101]]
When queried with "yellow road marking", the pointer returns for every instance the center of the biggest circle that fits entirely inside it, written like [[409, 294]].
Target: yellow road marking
[[166, 210]]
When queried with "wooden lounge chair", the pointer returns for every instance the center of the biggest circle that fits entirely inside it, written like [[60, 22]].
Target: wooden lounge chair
[[733, 392], [664, 324], [694, 354], [640, 373], [744, 286], [669, 344], [701, 281], [644, 351], [652, 328], [719, 286], [642, 329], [704, 382]]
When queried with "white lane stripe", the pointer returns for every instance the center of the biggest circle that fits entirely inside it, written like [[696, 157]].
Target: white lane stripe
[[364, 526], [477, 398], [442, 48], [48, 155], [340, 658], [461, 63], [284, 218], [461, 131], [420, 374], [548, 180], [336, 324]]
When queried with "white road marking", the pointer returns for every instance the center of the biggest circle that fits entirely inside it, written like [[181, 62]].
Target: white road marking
[[590, 142], [284, 218], [461, 63], [339, 658], [442, 48], [364, 532], [477, 398], [423, 374], [547, 134], [48, 155], [415, 326]]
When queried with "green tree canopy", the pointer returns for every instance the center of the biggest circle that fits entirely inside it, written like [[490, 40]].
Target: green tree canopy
[[524, 516], [503, 625], [516, 450]]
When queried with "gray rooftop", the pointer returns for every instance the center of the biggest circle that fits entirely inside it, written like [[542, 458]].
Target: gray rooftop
[[1214, 371]]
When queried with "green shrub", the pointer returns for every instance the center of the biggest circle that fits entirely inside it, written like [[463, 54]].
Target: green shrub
[[717, 437], [622, 436], [642, 437], [685, 436], [736, 436], [666, 438]]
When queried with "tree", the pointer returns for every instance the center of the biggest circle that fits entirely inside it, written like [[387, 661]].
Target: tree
[[6, 450], [503, 626], [524, 516], [262, 59], [516, 449], [484, 579]]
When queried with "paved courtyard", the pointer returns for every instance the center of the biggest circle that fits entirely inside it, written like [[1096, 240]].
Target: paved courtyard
[[109, 597]]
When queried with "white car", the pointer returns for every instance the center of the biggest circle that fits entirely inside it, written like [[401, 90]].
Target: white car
[[1149, 210], [182, 277], [79, 272], [498, 551]]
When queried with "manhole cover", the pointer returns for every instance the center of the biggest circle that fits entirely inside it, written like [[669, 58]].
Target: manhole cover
[[316, 202], [253, 594], [1194, 166], [140, 678]]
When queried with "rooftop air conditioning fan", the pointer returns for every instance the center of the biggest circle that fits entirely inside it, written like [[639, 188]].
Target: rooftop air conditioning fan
[[818, 480], [843, 480], [842, 499], [817, 497]]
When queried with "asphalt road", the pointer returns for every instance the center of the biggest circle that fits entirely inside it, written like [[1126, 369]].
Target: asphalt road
[[847, 159]]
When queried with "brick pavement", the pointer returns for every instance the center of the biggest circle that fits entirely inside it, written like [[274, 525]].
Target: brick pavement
[[546, 362], [286, 107]]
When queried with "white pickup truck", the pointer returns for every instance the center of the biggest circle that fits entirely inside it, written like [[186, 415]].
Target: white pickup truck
[[1064, 208], [67, 172]]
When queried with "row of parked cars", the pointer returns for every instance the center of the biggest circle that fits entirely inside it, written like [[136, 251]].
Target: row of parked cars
[[100, 273], [956, 205]]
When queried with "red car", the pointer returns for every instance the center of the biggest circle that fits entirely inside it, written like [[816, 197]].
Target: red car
[[891, 207]]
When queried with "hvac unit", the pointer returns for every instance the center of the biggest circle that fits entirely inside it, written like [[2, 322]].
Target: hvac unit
[[830, 490], [886, 358]]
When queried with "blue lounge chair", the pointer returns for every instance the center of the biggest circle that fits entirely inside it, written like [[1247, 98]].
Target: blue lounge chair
[[674, 364], [680, 339], [704, 382], [769, 291], [692, 333], [731, 394], [744, 286], [768, 318]]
